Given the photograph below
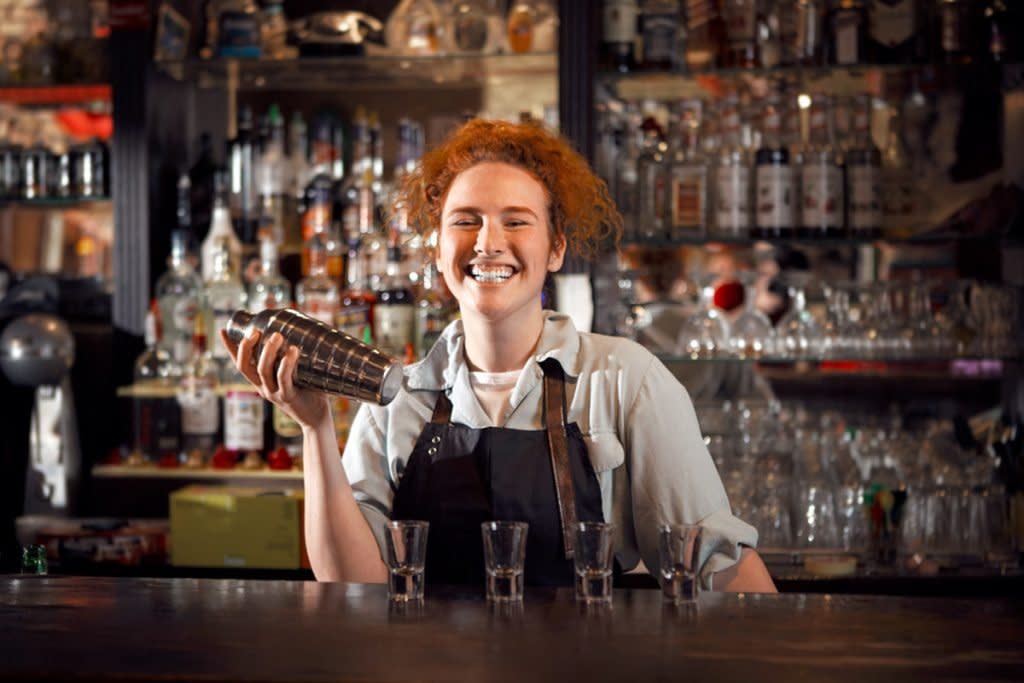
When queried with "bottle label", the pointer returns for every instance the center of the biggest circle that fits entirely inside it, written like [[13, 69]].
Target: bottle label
[[822, 195], [865, 202], [732, 190], [847, 28], [200, 409], [619, 21], [324, 311], [353, 320], [395, 326], [698, 13], [891, 21], [740, 21], [687, 199], [284, 426], [659, 35], [243, 421], [238, 34], [774, 197], [897, 198]]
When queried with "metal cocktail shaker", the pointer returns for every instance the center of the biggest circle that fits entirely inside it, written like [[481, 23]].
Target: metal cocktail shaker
[[329, 360]]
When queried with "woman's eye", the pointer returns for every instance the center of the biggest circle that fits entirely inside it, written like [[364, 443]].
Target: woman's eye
[[465, 222], [514, 223]]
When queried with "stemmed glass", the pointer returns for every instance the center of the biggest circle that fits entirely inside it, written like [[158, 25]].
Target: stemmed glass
[[751, 333], [800, 335], [705, 333], [884, 332], [843, 338], [922, 331]]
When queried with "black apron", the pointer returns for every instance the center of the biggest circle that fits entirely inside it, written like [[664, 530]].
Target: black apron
[[458, 477]]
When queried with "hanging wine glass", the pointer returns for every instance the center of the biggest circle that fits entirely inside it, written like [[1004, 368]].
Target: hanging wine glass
[[705, 334], [799, 334], [751, 335]]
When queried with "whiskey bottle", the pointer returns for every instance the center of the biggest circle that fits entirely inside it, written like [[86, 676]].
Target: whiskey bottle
[[687, 177], [847, 33], [895, 29], [821, 176], [773, 179], [740, 19], [619, 22], [863, 176], [659, 31]]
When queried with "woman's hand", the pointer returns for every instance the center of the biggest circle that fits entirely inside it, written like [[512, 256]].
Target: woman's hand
[[307, 407]]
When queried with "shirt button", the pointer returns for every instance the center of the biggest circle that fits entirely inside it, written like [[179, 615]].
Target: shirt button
[[435, 439], [431, 451]]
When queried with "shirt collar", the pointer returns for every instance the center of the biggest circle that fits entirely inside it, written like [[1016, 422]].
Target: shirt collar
[[438, 369]]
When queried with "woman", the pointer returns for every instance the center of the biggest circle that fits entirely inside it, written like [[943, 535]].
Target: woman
[[512, 414]]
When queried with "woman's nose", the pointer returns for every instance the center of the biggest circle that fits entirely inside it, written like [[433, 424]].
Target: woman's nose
[[490, 239]]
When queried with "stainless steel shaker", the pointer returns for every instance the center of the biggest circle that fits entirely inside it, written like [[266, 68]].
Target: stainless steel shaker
[[329, 360]]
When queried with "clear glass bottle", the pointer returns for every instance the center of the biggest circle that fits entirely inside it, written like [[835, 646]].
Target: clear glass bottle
[[864, 176], [179, 293], [197, 397], [220, 230], [468, 26], [269, 289], [224, 295], [732, 185], [650, 167], [394, 315], [347, 191], [687, 177], [415, 27], [316, 294], [626, 178], [433, 311], [847, 32], [740, 18], [272, 181], [808, 47], [821, 176], [156, 417], [773, 179]]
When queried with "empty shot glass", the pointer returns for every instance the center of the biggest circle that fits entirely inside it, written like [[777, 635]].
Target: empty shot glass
[[504, 556], [679, 559], [407, 555], [593, 561]]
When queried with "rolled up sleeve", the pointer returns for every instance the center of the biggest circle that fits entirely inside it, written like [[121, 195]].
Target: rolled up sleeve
[[366, 466]]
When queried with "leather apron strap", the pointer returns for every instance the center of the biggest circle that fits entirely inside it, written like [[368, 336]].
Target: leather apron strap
[[442, 410], [558, 447]]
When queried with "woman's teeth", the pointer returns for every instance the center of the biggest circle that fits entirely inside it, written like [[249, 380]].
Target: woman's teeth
[[490, 274]]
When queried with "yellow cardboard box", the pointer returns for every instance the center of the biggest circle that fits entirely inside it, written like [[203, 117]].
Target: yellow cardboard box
[[235, 526]]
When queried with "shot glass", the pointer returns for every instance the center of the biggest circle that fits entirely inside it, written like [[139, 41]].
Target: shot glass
[[407, 554], [679, 559], [593, 561], [504, 555]]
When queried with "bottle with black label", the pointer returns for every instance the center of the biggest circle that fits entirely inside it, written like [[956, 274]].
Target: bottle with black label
[[659, 32], [619, 21], [895, 31], [773, 179], [847, 33], [395, 312], [863, 176]]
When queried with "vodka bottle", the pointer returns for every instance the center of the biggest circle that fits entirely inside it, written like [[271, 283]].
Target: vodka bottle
[[773, 178], [316, 295], [220, 230], [197, 397], [272, 182], [687, 178], [864, 176], [821, 176], [156, 417], [732, 177], [224, 295], [650, 168], [179, 294], [269, 289]]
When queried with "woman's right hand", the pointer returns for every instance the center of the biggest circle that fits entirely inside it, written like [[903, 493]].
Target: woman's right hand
[[275, 380]]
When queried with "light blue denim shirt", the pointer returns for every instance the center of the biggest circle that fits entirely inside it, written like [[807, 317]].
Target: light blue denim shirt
[[637, 420]]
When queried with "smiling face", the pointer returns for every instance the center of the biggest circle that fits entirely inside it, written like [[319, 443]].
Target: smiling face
[[495, 245]]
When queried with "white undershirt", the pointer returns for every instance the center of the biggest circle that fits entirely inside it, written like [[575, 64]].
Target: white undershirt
[[493, 390]]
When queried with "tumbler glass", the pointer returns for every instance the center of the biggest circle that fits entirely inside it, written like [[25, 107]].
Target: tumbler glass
[[679, 547], [504, 557], [406, 558], [593, 561]]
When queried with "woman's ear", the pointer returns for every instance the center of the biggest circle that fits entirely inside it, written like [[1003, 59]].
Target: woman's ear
[[557, 256]]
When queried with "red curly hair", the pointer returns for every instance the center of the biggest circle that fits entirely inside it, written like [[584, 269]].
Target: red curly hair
[[580, 210]]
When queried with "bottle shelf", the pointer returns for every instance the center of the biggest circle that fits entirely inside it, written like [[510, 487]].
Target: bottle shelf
[[199, 474], [171, 390], [366, 72], [56, 94], [52, 202], [928, 240], [961, 367]]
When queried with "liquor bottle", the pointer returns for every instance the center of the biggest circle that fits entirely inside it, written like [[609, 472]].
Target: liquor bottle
[[415, 27], [224, 295], [316, 294], [433, 310], [318, 219], [893, 31], [740, 18], [468, 26], [619, 22], [532, 26], [808, 47], [220, 229], [269, 289], [179, 292], [394, 315], [244, 417], [732, 176], [864, 176], [156, 417], [821, 176], [705, 33], [346, 192], [198, 401], [1001, 21], [847, 33], [274, 200], [659, 33], [202, 190], [650, 168], [773, 179], [900, 200], [687, 177], [626, 178], [355, 312], [242, 167], [773, 17], [956, 22]]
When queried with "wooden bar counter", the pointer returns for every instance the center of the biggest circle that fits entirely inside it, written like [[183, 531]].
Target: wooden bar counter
[[89, 628]]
